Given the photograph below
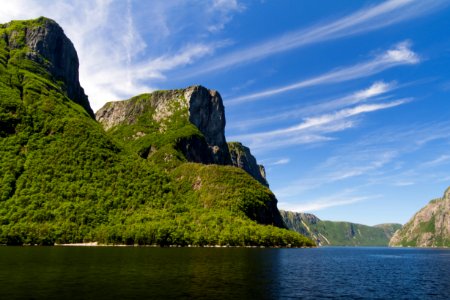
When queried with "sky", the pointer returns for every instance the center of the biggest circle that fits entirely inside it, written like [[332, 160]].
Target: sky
[[346, 103]]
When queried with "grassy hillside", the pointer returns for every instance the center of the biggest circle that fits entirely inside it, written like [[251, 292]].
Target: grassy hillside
[[63, 179], [339, 233]]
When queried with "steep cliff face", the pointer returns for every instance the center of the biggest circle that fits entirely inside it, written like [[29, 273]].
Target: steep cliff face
[[430, 227], [45, 43], [166, 109], [207, 113], [64, 179], [338, 233], [175, 111], [241, 157]]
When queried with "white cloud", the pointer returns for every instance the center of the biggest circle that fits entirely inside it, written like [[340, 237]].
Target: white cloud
[[364, 20], [225, 8], [115, 61], [376, 159], [353, 163], [400, 54], [311, 130], [323, 203], [375, 90], [443, 159], [269, 162], [282, 161]]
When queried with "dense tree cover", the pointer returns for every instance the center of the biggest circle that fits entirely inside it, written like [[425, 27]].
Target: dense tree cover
[[339, 233], [63, 179]]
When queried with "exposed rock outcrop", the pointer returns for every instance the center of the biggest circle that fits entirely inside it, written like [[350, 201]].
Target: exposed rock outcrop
[[430, 227], [241, 157], [207, 113], [49, 46], [196, 104], [338, 233], [202, 107]]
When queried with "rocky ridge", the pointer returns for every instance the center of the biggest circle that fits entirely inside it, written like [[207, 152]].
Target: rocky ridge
[[241, 157], [329, 233], [429, 227]]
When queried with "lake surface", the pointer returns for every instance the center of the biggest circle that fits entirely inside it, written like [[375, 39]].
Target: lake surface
[[221, 273]]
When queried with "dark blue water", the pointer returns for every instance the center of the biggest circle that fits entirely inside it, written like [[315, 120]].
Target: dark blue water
[[205, 273]]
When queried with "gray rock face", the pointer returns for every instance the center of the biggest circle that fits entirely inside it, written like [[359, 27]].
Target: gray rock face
[[241, 157], [50, 47], [195, 149], [203, 108], [430, 227], [206, 111]]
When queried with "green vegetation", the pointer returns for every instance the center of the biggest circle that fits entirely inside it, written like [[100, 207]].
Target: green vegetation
[[428, 228], [63, 179], [339, 233]]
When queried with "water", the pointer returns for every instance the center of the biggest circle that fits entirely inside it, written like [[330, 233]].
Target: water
[[237, 273]]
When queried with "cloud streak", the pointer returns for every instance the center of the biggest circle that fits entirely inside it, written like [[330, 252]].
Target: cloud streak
[[400, 54], [115, 61], [377, 160], [324, 202], [364, 20], [375, 90], [312, 129]]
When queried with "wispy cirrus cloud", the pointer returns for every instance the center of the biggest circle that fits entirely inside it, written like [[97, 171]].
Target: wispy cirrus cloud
[[345, 198], [275, 162], [400, 54], [367, 19], [359, 162], [115, 60], [312, 129], [375, 90], [376, 160], [442, 159]]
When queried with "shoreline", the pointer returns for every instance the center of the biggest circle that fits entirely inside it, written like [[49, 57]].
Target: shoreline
[[96, 244]]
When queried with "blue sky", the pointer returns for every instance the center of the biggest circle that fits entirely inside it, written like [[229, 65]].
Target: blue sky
[[346, 103]]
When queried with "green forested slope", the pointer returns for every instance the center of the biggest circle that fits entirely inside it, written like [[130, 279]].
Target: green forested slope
[[63, 179], [339, 233]]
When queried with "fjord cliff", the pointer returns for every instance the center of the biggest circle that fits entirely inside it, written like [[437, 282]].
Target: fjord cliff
[[197, 105], [161, 173], [330, 233], [430, 227], [167, 127]]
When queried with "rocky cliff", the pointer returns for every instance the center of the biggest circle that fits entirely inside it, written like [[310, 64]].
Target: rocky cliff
[[64, 179], [165, 110], [338, 233], [430, 227], [202, 107], [241, 157], [45, 44]]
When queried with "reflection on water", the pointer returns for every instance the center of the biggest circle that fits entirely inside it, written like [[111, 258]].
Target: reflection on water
[[208, 273], [103, 272]]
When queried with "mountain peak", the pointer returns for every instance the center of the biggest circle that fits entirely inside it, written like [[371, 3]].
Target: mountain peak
[[44, 42]]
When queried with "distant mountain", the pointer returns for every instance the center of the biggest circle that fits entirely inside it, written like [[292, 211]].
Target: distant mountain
[[338, 233], [154, 169], [430, 227]]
